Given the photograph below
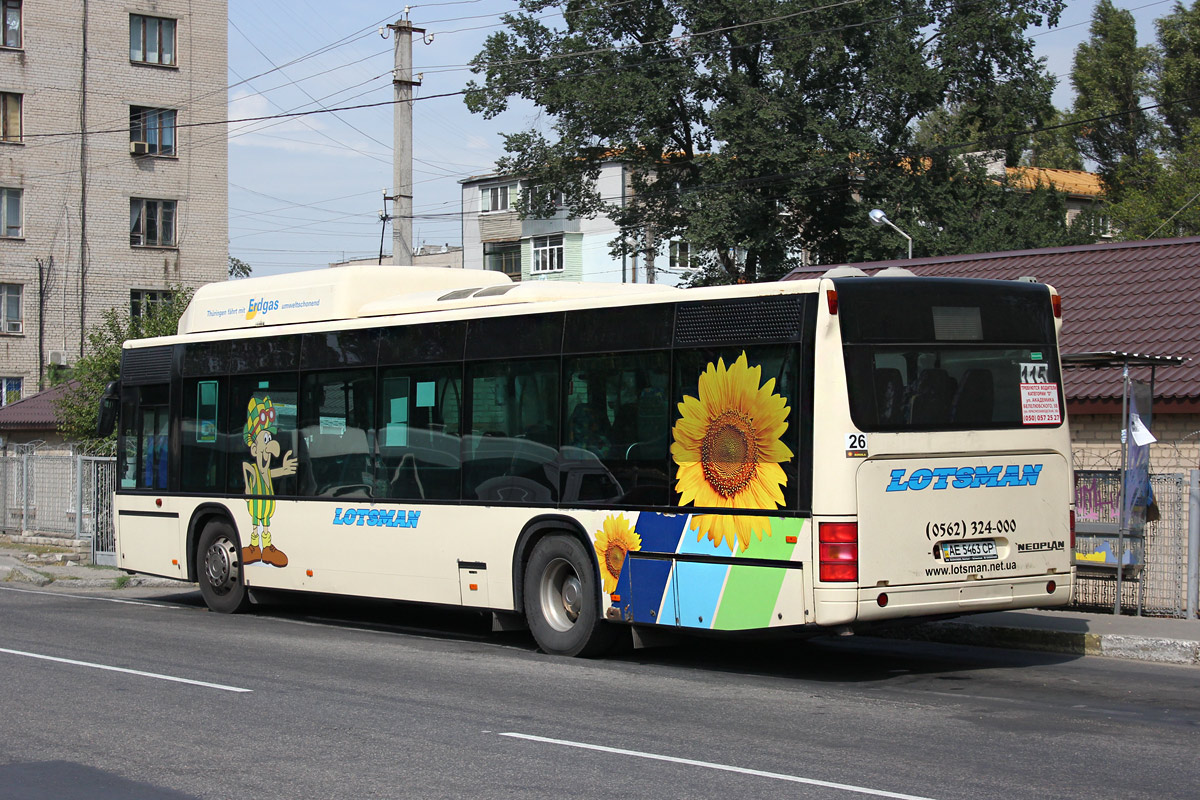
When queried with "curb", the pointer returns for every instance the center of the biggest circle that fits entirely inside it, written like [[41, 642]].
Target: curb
[[76, 576], [24, 574], [1139, 648]]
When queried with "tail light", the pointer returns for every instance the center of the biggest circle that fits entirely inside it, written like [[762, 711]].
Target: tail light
[[838, 551], [1072, 533], [831, 299], [1056, 305]]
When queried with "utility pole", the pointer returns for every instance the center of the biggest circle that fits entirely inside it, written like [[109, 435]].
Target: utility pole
[[402, 177], [83, 183]]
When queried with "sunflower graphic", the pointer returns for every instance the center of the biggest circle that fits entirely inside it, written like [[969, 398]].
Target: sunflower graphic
[[727, 443], [615, 538]]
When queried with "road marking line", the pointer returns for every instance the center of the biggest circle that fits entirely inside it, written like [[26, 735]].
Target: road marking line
[[89, 597], [160, 677], [722, 767]]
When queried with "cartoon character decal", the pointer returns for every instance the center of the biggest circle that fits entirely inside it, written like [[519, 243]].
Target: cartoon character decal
[[259, 434]]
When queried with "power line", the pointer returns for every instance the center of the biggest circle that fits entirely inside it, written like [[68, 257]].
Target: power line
[[1176, 214], [687, 37], [306, 92]]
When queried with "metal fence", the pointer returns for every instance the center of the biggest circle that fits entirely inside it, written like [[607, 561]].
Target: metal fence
[[97, 481], [1155, 583], [60, 495]]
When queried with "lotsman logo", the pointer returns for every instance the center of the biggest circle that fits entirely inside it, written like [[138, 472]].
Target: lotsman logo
[[260, 306], [376, 517], [965, 477]]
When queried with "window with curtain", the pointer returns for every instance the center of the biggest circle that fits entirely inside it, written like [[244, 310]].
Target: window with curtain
[[151, 222], [155, 127], [151, 40]]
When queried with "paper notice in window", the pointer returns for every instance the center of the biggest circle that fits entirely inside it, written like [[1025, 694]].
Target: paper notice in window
[[1039, 404]]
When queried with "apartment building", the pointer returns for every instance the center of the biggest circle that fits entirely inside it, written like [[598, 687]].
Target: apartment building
[[559, 247], [113, 168]]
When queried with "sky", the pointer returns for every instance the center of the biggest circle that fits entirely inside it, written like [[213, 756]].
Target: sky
[[306, 191]]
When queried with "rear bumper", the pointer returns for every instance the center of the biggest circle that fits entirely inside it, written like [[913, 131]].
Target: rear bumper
[[961, 597]]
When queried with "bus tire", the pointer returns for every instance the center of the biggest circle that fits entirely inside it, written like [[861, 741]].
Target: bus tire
[[562, 601], [219, 569]]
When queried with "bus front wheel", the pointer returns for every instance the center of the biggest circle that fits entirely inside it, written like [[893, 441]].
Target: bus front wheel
[[220, 569], [561, 599]]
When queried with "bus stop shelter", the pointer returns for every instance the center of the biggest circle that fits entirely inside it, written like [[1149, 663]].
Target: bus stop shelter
[[1133, 432]]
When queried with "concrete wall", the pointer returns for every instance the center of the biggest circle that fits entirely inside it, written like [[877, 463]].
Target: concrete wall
[[48, 72], [432, 256], [1096, 441], [471, 242]]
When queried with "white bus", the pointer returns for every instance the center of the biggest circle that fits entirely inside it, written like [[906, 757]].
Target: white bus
[[591, 459]]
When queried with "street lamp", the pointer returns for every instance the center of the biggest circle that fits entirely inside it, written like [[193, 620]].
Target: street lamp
[[385, 218], [877, 217]]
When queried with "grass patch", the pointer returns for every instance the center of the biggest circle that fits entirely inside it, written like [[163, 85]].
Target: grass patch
[[122, 581]]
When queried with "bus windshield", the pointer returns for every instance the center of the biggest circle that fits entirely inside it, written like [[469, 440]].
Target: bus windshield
[[923, 354]]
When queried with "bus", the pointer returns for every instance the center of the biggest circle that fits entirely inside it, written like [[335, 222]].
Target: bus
[[598, 460]]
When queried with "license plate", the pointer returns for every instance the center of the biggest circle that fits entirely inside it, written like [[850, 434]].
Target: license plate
[[977, 550]]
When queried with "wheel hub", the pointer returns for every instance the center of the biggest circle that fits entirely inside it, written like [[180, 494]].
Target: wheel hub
[[218, 566], [561, 594], [571, 593]]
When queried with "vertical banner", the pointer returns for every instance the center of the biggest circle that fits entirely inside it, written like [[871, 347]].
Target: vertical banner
[[1138, 439]]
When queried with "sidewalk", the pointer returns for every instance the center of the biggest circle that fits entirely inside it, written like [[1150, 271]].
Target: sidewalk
[[1167, 641]]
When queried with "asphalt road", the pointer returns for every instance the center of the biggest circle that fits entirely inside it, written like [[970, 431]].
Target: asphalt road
[[159, 698]]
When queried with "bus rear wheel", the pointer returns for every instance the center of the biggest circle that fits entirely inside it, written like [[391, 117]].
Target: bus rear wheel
[[220, 569], [561, 599]]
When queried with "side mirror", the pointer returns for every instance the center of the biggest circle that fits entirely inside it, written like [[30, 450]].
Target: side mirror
[[110, 402]]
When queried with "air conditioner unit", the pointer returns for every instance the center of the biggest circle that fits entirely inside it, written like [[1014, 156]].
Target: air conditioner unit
[[138, 148], [58, 357]]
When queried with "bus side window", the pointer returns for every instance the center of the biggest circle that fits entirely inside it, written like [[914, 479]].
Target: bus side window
[[280, 389], [511, 454], [337, 433], [203, 446], [144, 449], [419, 424], [615, 435], [127, 441]]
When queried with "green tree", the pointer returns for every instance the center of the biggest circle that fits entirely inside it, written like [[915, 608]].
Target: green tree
[[754, 128], [1055, 146], [948, 127], [79, 405], [1163, 197], [1177, 86], [238, 268], [1111, 76], [950, 205]]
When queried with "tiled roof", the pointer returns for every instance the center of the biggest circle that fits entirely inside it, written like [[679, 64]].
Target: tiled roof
[[1072, 181], [36, 412], [1134, 297]]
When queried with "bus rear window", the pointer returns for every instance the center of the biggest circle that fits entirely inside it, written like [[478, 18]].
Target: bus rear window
[[930, 354]]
